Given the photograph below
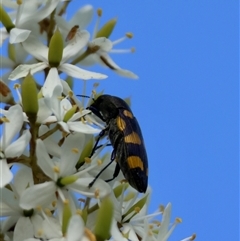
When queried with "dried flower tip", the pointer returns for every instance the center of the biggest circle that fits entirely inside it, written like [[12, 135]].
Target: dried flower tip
[[133, 50], [19, 2], [178, 220], [87, 160], [75, 150], [191, 238], [4, 90], [89, 234], [99, 12], [66, 202], [161, 208], [17, 86], [99, 162], [4, 119], [56, 169], [97, 193], [129, 35]]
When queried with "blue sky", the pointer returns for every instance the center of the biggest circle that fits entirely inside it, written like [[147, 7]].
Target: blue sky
[[186, 101]]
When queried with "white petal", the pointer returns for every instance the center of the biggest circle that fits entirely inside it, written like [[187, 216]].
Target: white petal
[[50, 142], [112, 65], [36, 48], [75, 228], [23, 178], [42, 13], [78, 126], [43, 159], [18, 35], [64, 126], [51, 82], [38, 195], [4, 35], [126, 73], [11, 128], [82, 17], [5, 209], [16, 148], [43, 111], [23, 229], [81, 186], [79, 73], [5, 174], [104, 44], [165, 222], [23, 69], [52, 229], [69, 157], [80, 41]]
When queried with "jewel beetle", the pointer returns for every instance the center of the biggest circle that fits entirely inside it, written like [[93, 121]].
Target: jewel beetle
[[126, 139]]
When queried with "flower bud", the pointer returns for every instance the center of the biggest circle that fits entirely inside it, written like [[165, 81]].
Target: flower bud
[[6, 20], [107, 29], [5, 94], [29, 98], [55, 51], [66, 216], [70, 113], [104, 220], [85, 153]]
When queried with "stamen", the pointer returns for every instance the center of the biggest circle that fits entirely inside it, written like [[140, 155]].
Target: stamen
[[56, 169], [75, 150], [97, 193], [178, 220], [87, 160]]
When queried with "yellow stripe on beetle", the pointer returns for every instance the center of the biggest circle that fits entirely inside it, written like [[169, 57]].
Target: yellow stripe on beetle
[[128, 114], [135, 162], [121, 123], [133, 138]]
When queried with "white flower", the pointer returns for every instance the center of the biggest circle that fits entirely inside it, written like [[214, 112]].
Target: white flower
[[102, 57], [60, 108], [81, 18], [8, 149], [23, 219], [40, 51], [61, 169], [27, 16]]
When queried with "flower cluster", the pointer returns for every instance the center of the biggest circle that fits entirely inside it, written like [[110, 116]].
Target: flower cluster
[[47, 135]]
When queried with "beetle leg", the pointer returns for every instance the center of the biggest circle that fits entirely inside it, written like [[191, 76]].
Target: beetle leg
[[115, 174], [101, 134], [94, 180]]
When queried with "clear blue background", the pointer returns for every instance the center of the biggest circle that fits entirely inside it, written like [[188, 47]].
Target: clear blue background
[[186, 101]]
